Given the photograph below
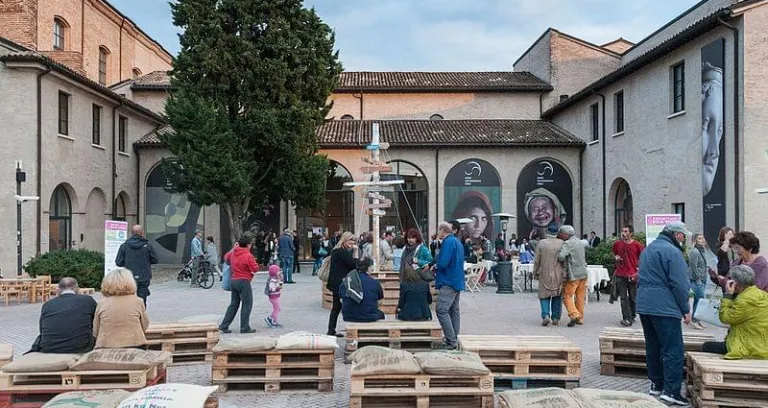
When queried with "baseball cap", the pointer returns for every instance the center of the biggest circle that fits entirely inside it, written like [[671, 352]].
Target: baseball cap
[[678, 226]]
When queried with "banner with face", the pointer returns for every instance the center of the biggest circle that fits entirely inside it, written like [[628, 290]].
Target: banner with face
[[713, 142], [544, 198], [473, 191]]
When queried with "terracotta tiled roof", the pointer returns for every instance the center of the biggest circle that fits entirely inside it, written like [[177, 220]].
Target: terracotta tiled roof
[[406, 82], [440, 82], [342, 134]]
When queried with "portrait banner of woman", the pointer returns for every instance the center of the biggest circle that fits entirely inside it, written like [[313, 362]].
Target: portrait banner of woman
[[473, 191], [544, 197], [712, 139]]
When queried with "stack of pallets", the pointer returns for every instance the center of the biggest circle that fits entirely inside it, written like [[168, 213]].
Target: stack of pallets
[[32, 390], [421, 390], [714, 382], [190, 343], [390, 283], [520, 362], [274, 370], [6, 354], [327, 297], [622, 350], [395, 334]]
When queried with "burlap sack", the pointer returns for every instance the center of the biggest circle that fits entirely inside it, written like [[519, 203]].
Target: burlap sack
[[369, 352], [169, 396], [377, 362], [539, 398], [88, 399], [41, 363], [245, 344], [451, 362], [592, 398], [300, 340], [206, 318], [115, 359], [161, 356]]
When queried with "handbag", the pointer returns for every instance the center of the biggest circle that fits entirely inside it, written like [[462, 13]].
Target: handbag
[[324, 271], [708, 309], [322, 251], [226, 277]]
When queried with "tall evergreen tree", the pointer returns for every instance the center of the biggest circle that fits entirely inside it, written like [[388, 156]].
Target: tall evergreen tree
[[251, 86]]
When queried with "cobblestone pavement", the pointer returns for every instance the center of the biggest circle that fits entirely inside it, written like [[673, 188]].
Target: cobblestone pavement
[[482, 313]]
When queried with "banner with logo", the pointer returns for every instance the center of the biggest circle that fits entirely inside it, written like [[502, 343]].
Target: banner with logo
[[115, 233], [473, 190], [654, 224], [712, 136], [544, 198]]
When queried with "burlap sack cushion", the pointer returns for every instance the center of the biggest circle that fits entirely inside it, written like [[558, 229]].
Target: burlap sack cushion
[[592, 398], [300, 340], [451, 362], [369, 351], [539, 398], [115, 359], [169, 396], [378, 362], [245, 344], [88, 399], [41, 363], [161, 356]]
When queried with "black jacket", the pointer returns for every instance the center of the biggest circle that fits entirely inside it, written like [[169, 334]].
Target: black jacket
[[137, 255], [415, 299], [315, 248], [342, 264], [66, 325]]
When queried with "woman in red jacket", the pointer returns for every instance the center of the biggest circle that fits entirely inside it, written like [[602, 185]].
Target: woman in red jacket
[[243, 266]]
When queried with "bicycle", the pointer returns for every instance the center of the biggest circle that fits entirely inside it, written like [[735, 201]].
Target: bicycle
[[204, 273]]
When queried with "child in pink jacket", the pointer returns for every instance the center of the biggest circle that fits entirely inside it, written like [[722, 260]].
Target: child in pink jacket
[[272, 289]]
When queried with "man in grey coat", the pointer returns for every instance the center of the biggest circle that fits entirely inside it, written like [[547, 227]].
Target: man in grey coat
[[285, 251], [574, 258]]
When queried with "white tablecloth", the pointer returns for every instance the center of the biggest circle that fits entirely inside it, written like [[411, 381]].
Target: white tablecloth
[[488, 265], [595, 274]]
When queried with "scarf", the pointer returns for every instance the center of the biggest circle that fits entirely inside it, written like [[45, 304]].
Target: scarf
[[354, 286]]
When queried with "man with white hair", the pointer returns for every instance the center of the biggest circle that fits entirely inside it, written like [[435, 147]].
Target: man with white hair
[[574, 258], [449, 281], [662, 301]]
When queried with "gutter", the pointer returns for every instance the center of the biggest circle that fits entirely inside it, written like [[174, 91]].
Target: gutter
[[581, 190], [39, 169], [437, 186], [120, 50], [736, 123]]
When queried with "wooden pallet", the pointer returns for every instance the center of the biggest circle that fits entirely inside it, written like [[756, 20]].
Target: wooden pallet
[[719, 382], [527, 357], [172, 331], [189, 343], [421, 390], [515, 383], [6, 354], [395, 334], [622, 350], [274, 370]]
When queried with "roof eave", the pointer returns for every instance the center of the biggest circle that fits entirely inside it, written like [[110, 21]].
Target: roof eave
[[516, 89]]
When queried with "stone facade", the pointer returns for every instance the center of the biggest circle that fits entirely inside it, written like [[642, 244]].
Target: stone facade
[[86, 27]]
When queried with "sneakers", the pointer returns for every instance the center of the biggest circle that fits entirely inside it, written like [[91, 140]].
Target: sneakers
[[271, 323], [626, 322], [655, 389], [448, 346], [555, 322], [225, 331], [545, 321], [573, 322], [675, 399]]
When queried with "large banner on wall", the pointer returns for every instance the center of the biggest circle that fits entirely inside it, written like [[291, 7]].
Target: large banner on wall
[[712, 125], [544, 198], [473, 190]]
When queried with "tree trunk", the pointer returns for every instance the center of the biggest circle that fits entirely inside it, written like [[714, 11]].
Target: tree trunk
[[237, 213]]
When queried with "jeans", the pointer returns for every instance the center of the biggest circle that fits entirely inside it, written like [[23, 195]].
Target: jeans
[[627, 290], [241, 293], [286, 264], [316, 266], [334, 317], [296, 265], [717, 347], [142, 291], [449, 313], [664, 351], [575, 289], [698, 294], [555, 304]]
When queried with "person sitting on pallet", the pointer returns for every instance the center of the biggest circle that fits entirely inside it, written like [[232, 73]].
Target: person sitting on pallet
[[415, 297], [361, 295], [121, 318], [66, 321], [745, 308]]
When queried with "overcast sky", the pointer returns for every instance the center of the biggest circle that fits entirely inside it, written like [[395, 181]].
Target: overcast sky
[[448, 35]]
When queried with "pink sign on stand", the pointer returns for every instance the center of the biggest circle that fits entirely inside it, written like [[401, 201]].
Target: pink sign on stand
[[654, 224]]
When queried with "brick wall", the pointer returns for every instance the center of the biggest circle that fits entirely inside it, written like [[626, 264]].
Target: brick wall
[[17, 22]]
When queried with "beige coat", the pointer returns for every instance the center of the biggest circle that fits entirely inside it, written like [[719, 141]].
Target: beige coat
[[120, 321], [547, 269]]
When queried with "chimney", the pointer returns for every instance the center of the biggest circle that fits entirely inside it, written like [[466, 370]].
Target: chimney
[[563, 98]]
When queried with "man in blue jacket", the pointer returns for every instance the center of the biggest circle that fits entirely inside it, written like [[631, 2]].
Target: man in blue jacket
[[449, 281], [285, 251], [662, 301]]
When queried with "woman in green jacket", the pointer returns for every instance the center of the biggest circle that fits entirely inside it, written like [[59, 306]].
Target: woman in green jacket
[[417, 255], [745, 308]]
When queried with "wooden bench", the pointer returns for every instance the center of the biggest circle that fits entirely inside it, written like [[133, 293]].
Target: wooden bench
[[421, 390], [622, 350], [715, 382], [274, 371], [395, 334], [6, 354], [190, 343], [520, 362]]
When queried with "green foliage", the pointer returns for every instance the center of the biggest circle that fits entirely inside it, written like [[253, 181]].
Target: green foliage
[[251, 86], [84, 265], [603, 253]]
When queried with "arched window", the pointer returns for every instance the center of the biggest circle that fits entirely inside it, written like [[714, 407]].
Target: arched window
[[623, 205], [347, 117], [59, 33], [436, 116], [136, 73], [120, 208], [60, 220], [103, 55]]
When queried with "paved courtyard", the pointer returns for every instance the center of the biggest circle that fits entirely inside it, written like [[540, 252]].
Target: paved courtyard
[[482, 313]]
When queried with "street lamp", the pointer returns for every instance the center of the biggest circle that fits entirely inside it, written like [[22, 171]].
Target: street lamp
[[504, 268], [21, 177]]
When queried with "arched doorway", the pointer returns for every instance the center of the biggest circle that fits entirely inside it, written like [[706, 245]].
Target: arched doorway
[[121, 207], [95, 215], [171, 219], [60, 220], [410, 200], [622, 205]]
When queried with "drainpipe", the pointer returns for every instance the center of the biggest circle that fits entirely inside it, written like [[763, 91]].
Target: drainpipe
[[605, 193], [581, 190], [437, 186], [360, 126], [82, 31], [39, 169], [114, 159], [736, 121], [120, 55], [541, 105]]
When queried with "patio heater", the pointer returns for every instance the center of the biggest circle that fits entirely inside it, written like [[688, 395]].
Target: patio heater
[[504, 269]]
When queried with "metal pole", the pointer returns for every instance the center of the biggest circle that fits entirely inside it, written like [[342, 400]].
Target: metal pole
[[19, 178], [375, 178]]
